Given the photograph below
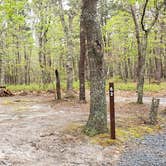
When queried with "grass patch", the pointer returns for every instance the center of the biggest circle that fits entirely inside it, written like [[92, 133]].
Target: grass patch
[[136, 132], [42, 87], [124, 134], [31, 87], [130, 86]]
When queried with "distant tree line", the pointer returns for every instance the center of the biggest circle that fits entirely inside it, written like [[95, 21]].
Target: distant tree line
[[37, 37]]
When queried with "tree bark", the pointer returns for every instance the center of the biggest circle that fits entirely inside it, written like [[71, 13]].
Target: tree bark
[[46, 77], [141, 68], [82, 59], [154, 111], [97, 122], [68, 36], [2, 71], [58, 86]]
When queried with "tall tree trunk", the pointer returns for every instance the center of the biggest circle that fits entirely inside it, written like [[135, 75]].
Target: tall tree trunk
[[141, 68], [130, 68], [69, 66], [58, 86], [158, 59], [68, 35], [97, 122], [2, 71], [164, 68], [150, 70], [82, 59], [43, 57], [125, 70], [26, 67], [158, 72]]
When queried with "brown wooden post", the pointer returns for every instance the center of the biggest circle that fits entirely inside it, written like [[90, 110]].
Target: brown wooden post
[[112, 111], [58, 86]]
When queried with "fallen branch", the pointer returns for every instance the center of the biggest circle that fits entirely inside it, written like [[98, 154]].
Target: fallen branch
[[5, 92]]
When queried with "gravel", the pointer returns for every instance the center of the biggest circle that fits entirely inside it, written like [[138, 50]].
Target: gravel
[[149, 151]]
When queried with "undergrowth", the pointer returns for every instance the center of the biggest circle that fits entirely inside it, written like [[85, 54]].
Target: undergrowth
[[130, 86]]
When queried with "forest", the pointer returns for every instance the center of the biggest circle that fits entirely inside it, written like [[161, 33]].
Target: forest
[[38, 37], [57, 57]]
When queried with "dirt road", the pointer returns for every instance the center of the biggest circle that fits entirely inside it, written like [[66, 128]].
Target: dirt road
[[32, 132]]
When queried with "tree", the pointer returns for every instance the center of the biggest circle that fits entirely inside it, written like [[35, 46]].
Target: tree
[[97, 122], [142, 33], [38, 36], [43, 15], [69, 42], [82, 59]]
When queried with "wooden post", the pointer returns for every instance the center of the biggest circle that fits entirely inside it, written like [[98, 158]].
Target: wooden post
[[58, 86], [112, 111]]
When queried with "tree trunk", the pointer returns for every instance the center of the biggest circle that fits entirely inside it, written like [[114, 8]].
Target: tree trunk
[[141, 48], [97, 122], [26, 67], [69, 56], [158, 58], [68, 35], [164, 68], [43, 57], [2, 71], [154, 111], [82, 59], [58, 86], [158, 72], [141, 68]]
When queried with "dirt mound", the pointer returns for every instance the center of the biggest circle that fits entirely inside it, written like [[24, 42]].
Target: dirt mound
[[5, 92]]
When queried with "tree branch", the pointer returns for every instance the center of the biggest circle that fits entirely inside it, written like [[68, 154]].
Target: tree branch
[[143, 16], [156, 15], [136, 24], [157, 12], [123, 6]]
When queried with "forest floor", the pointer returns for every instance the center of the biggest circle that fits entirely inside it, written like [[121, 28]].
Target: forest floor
[[36, 130]]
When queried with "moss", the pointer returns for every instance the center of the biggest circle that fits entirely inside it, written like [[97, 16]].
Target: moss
[[135, 132], [124, 134], [90, 131], [104, 140]]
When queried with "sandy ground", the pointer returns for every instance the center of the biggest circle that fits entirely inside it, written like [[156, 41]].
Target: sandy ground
[[34, 132]]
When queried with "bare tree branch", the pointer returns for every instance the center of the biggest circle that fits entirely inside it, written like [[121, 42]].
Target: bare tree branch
[[143, 16], [157, 12]]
